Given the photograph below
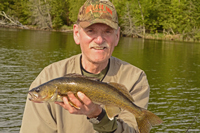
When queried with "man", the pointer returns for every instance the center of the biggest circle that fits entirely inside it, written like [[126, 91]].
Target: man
[[97, 33]]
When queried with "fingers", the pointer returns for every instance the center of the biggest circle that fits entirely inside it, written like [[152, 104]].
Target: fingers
[[84, 98], [74, 101], [72, 104], [64, 104], [72, 108], [81, 105], [92, 110]]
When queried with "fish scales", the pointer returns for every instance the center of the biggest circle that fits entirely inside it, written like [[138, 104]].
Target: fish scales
[[97, 91]]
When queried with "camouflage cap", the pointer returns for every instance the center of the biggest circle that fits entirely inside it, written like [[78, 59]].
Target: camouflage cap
[[97, 11]]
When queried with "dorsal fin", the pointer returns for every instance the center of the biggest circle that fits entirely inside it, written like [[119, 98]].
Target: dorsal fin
[[80, 76], [122, 89]]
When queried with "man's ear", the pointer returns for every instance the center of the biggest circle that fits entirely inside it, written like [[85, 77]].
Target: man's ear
[[76, 34], [118, 36]]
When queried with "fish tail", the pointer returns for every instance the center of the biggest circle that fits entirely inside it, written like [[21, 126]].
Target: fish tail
[[147, 120]]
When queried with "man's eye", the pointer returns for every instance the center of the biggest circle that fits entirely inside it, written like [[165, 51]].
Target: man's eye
[[89, 30], [108, 31]]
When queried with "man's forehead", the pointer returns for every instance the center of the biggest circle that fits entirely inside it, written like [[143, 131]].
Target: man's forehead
[[97, 25]]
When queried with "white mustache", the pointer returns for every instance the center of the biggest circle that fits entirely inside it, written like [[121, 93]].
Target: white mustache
[[98, 46]]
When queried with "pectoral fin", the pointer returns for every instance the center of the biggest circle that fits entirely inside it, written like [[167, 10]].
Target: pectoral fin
[[54, 96], [59, 98], [112, 111]]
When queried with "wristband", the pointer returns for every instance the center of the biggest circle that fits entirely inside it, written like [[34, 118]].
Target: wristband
[[97, 119]]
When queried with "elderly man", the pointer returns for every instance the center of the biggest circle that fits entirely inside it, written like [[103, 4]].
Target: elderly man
[[97, 33]]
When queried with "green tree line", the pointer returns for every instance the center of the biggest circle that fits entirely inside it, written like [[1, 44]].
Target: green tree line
[[172, 18]]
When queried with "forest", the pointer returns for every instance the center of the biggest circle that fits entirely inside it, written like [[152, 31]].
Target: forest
[[155, 19]]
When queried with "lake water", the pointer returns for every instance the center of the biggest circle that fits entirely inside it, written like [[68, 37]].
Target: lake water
[[173, 70]]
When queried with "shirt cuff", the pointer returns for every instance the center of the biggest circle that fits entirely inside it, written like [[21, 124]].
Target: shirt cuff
[[106, 125]]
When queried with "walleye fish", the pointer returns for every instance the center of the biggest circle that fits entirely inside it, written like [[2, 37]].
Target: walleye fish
[[112, 95]]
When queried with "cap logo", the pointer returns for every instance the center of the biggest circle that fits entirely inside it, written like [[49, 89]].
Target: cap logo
[[97, 11], [98, 8]]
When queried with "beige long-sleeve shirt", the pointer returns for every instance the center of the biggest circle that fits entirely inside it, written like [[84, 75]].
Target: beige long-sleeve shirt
[[52, 118]]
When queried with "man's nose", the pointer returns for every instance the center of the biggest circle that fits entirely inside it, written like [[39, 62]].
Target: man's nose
[[99, 39]]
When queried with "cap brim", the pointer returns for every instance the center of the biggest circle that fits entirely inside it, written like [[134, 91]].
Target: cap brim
[[85, 24]]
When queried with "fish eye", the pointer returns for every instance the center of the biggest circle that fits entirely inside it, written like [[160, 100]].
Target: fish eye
[[37, 90]]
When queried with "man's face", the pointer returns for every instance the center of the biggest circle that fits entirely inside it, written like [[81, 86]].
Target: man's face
[[97, 42]]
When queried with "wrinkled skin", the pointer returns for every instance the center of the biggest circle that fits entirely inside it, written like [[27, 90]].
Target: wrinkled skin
[[97, 43]]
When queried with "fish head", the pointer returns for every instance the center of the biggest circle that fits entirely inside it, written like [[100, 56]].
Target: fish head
[[43, 93]]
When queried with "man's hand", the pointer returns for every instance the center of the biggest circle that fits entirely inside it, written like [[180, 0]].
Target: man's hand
[[83, 107]]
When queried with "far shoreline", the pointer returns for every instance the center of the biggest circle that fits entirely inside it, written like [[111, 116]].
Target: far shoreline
[[157, 36]]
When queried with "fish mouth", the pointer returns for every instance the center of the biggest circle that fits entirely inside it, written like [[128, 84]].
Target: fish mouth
[[34, 98]]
